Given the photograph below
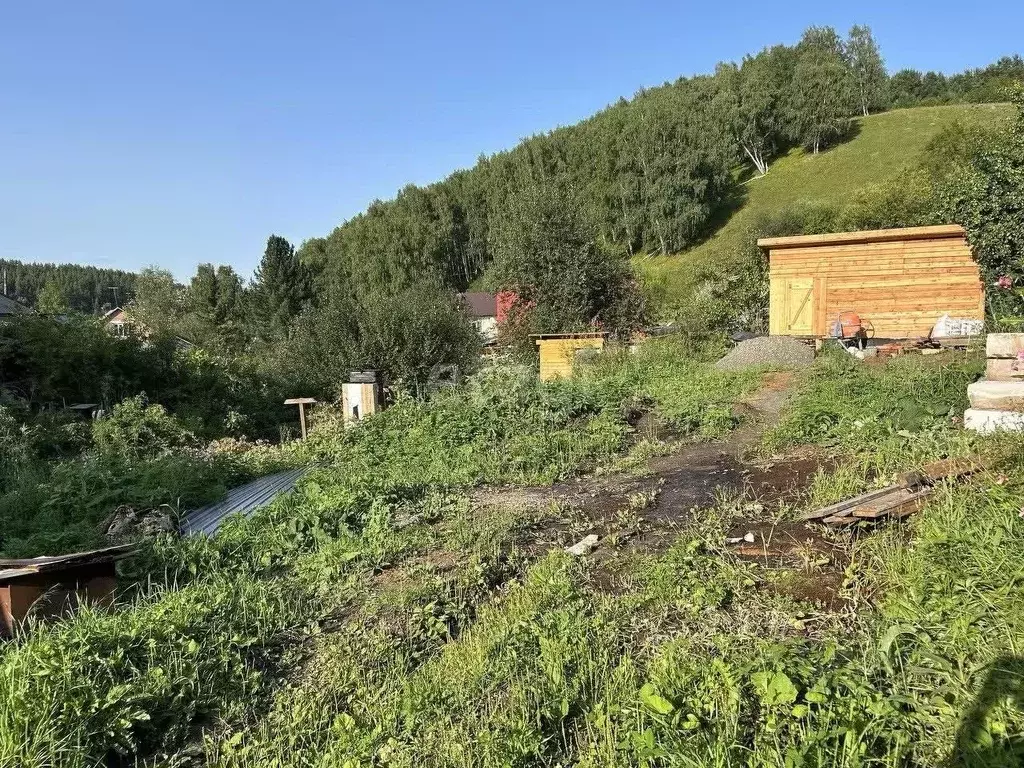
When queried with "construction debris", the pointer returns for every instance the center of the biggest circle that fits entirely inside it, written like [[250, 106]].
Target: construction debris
[[997, 403], [748, 537], [584, 546], [894, 501], [763, 351]]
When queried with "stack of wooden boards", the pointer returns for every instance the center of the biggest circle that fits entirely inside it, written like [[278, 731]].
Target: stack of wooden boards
[[894, 501], [997, 402]]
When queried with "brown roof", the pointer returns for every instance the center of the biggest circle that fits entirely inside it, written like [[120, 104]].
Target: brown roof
[[480, 304]]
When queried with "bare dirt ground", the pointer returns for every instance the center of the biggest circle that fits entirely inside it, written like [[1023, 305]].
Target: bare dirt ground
[[644, 511]]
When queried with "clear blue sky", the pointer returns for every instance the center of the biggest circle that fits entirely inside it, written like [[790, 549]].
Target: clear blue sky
[[147, 132]]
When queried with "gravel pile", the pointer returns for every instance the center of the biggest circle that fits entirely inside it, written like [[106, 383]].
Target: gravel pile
[[780, 351]]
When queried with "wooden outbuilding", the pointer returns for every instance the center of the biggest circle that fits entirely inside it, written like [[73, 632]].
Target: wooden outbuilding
[[53, 586], [559, 351], [901, 280]]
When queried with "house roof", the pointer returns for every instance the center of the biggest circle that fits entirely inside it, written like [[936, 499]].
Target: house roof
[[110, 314], [480, 304], [11, 307]]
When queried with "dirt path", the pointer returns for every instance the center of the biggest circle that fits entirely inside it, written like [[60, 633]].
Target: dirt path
[[644, 512]]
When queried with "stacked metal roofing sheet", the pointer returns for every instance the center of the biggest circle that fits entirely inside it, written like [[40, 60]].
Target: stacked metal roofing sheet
[[243, 501]]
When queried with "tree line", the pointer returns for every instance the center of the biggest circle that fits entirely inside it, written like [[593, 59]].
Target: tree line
[[85, 289], [656, 172]]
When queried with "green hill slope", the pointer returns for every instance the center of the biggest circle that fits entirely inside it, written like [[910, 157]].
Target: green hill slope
[[886, 146]]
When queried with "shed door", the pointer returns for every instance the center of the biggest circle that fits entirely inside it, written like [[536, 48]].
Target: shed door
[[799, 306]]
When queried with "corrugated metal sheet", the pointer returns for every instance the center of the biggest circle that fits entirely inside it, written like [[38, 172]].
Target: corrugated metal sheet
[[243, 501]]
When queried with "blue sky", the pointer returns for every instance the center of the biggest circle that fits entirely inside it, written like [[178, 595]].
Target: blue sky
[[169, 133]]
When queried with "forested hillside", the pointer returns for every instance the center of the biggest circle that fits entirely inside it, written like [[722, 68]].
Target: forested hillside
[[65, 286], [656, 173]]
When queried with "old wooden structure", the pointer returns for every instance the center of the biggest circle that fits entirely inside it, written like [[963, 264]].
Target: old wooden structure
[[901, 280], [559, 351], [361, 395], [52, 586]]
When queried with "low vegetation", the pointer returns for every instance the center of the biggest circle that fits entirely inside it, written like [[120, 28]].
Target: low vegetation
[[381, 614]]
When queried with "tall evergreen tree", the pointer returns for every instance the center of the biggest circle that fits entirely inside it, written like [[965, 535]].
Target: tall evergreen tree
[[282, 284], [867, 67]]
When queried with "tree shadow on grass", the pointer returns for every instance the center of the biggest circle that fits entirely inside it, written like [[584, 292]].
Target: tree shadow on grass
[[980, 741]]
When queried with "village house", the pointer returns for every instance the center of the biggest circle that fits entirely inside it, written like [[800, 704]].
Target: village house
[[118, 324], [122, 326]]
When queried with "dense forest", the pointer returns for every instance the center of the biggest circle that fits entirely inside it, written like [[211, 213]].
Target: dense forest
[[656, 172], [65, 286]]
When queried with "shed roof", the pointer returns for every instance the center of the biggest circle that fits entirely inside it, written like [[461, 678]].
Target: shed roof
[[9, 306], [480, 304], [865, 236], [580, 335], [11, 569]]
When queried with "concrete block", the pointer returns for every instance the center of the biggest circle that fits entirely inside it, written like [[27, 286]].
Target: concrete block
[[1004, 369], [987, 422], [1003, 345], [997, 395]]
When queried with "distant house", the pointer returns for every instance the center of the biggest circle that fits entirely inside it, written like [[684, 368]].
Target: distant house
[[118, 324], [488, 311], [482, 309], [11, 308]]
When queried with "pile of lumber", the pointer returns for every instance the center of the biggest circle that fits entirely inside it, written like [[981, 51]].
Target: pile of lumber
[[997, 402], [897, 500]]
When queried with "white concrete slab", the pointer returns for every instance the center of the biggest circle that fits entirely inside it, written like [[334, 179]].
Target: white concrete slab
[[987, 422]]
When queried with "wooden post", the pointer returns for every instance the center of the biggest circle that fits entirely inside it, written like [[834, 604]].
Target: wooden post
[[302, 402]]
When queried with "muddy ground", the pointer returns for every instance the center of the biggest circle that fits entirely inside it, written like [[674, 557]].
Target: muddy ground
[[643, 511]]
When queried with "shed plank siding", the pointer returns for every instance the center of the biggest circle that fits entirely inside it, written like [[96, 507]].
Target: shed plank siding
[[900, 280]]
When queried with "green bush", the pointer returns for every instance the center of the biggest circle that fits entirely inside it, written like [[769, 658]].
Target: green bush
[[136, 429]]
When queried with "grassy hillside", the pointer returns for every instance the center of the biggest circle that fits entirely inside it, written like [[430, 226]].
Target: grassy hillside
[[884, 148]]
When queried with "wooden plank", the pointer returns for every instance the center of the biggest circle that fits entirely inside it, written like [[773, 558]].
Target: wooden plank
[[867, 236], [845, 256], [847, 253], [837, 520], [944, 469], [845, 507]]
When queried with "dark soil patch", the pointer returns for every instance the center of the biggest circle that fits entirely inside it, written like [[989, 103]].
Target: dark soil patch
[[644, 513], [821, 588], [812, 566]]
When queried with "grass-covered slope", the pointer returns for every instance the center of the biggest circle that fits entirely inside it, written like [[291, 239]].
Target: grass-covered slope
[[883, 150]]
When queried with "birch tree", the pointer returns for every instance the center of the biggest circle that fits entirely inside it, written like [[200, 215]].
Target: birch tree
[[867, 67]]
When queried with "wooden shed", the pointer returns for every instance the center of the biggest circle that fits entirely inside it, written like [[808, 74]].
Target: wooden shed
[[52, 586], [901, 280], [558, 351]]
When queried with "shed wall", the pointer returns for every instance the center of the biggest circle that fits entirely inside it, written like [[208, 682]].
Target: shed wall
[[902, 286], [557, 355]]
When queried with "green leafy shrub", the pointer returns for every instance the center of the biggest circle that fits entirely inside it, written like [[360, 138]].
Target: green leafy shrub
[[136, 429]]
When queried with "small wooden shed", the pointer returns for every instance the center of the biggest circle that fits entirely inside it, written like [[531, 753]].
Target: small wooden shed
[[558, 351], [901, 280], [52, 586]]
